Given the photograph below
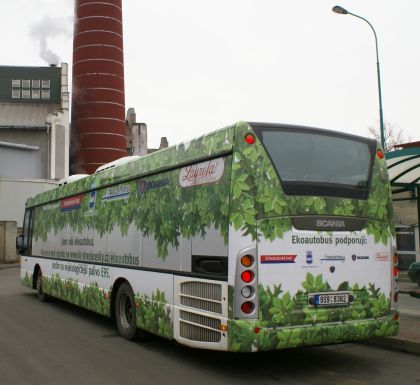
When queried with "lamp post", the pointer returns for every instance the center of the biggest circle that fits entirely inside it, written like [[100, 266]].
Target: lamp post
[[342, 11]]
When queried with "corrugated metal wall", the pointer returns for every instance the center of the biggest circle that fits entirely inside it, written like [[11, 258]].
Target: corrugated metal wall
[[18, 163]]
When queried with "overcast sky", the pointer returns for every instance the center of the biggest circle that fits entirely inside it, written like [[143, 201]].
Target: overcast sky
[[192, 66]]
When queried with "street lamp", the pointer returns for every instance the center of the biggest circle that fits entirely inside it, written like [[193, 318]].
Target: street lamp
[[342, 11]]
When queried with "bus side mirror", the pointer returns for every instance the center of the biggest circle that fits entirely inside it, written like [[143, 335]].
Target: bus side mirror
[[20, 244]]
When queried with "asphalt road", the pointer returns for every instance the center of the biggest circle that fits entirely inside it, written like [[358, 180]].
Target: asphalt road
[[57, 343]]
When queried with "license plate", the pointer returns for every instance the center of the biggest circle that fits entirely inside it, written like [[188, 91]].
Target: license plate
[[337, 299]]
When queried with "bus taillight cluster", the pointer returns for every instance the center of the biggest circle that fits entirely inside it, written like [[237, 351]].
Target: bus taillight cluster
[[248, 283], [395, 276]]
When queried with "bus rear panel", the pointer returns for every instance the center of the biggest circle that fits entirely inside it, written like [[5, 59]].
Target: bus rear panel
[[322, 266]]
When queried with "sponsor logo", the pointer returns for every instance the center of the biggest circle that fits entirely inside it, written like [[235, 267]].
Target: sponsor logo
[[72, 203], [330, 223], [329, 258], [117, 192], [91, 206], [202, 173], [309, 258], [145, 185], [381, 257], [309, 261], [355, 257], [51, 206], [280, 258], [92, 199]]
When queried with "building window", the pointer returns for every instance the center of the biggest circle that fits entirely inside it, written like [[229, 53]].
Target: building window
[[45, 94], [15, 94], [36, 83], [26, 83], [45, 84], [26, 94], [15, 82], [36, 94]]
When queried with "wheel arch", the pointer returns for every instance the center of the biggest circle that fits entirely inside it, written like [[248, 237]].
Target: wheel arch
[[118, 282], [37, 269]]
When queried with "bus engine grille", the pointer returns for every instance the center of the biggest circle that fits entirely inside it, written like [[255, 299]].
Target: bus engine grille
[[197, 327], [195, 303], [201, 308], [202, 296], [202, 290]]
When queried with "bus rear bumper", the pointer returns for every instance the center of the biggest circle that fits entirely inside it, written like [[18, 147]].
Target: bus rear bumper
[[248, 336]]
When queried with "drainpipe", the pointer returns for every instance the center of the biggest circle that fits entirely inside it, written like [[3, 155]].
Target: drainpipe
[[47, 174]]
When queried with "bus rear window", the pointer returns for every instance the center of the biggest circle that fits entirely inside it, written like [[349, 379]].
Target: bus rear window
[[319, 162]]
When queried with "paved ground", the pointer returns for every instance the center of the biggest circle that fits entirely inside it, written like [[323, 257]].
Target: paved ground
[[408, 339], [58, 343]]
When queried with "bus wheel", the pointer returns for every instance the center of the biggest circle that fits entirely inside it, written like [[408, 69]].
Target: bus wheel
[[125, 312], [41, 295]]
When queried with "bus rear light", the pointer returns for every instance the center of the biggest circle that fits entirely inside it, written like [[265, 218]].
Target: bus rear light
[[249, 138], [247, 260], [396, 259], [396, 296], [396, 316], [247, 291], [247, 307], [380, 154], [247, 276], [395, 271]]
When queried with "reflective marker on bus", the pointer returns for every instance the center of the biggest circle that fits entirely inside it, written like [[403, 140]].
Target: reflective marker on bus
[[254, 237]]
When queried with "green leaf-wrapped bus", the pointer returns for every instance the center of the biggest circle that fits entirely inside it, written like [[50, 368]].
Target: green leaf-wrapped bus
[[254, 237]]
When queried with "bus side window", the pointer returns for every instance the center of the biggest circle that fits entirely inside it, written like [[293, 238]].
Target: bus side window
[[24, 241], [30, 230]]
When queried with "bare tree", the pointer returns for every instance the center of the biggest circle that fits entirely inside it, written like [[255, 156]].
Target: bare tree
[[393, 135]]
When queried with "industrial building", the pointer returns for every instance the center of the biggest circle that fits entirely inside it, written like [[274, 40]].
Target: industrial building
[[34, 134]]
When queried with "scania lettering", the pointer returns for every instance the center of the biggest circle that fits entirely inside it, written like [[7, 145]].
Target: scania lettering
[[326, 223], [246, 239]]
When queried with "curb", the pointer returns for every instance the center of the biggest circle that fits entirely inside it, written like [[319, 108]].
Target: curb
[[9, 265], [395, 343], [411, 293]]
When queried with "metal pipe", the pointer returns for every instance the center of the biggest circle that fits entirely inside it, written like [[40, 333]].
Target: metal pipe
[[342, 11]]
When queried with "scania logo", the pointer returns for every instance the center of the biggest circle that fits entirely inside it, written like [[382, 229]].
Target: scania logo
[[330, 223], [355, 257]]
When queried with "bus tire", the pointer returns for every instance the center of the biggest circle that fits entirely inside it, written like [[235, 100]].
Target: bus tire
[[125, 312], [38, 286]]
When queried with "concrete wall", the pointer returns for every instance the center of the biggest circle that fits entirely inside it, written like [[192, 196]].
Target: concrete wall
[[20, 162], [15, 192], [8, 233], [38, 138]]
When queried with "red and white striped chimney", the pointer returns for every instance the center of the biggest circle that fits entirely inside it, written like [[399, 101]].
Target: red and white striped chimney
[[98, 105]]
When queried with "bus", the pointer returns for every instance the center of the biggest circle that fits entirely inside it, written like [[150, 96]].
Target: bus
[[254, 237]]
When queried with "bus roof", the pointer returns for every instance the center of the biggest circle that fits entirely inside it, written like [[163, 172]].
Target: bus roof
[[213, 144]]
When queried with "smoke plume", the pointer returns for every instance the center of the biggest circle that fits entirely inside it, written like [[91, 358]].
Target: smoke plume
[[50, 28]]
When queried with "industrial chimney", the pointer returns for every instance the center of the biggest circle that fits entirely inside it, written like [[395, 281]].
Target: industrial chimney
[[98, 105]]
